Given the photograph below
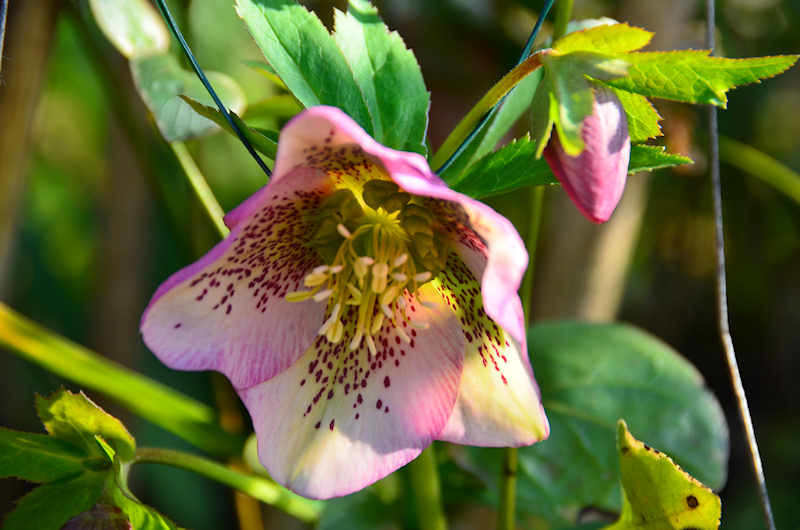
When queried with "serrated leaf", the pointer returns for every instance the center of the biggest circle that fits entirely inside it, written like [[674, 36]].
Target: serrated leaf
[[516, 166], [693, 76], [387, 74], [650, 157], [610, 38], [51, 505], [305, 56], [141, 516], [643, 118], [76, 419], [160, 81], [657, 493], [37, 457], [261, 140], [134, 27], [584, 393], [510, 167]]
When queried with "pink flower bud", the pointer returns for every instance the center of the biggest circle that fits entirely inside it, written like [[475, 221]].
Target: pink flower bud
[[594, 180]]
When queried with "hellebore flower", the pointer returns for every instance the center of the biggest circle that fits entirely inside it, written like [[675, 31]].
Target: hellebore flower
[[594, 180], [361, 309]]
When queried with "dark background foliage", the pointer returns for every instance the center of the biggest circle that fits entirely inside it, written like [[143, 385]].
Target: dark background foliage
[[94, 214]]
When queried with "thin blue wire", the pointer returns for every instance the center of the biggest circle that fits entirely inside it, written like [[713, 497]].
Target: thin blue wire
[[525, 52], [162, 6]]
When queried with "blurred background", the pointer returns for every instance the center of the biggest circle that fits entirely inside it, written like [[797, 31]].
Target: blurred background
[[95, 213]]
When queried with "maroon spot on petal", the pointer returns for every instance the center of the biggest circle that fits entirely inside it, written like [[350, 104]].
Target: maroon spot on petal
[[358, 415], [379, 404], [386, 410], [331, 425], [302, 382], [386, 381], [177, 325], [317, 425], [228, 309], [505, 381]]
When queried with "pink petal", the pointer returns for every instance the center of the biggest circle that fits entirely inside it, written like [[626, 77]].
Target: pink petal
[[595, 179], [227, 311], [506, 258], [337, 421], [498, 400]]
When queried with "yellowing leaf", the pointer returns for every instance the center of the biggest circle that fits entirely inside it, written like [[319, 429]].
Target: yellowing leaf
[[659, 495], [617, 38]]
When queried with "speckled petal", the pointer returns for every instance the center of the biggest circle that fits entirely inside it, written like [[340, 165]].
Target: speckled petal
[[506, 257], [226, 312], [337, 421], [498, 399], [595, 179]]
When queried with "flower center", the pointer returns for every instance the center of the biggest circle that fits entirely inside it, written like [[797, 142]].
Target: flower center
[[379, 245]]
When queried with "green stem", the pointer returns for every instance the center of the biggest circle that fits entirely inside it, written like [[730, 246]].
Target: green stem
[[179, 414], [200, 187], [489, 100], [563, 14], [508, 473], [256, 486], [506, 515], [531, 241], [425, 483]]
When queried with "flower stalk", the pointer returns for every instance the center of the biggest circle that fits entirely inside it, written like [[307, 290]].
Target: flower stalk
[[257, 487], [482, 107], [427, 490]]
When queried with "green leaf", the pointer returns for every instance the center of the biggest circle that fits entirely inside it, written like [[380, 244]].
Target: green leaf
[[76, 419], [650, 157], [37, 457], [513, 107], [141, 516], [693, 76], [658, 494], [305, 56], [192, 420], [511, 167], [584, 392], [263, 141], [160, 81], [387, 74], [642, 117], [515, 166], [280, 106], [604, 38], [51, 505], [134, 27]]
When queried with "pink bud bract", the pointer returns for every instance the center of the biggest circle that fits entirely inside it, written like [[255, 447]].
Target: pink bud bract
[[594, 180]]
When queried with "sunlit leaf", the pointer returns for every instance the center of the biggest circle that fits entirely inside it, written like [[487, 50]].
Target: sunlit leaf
[[650, 157], [77, 419], [693, 76], [643, 119], [658, 494], [134, 27], [304, 55], [614, 38], [160, 81], [387, 74]]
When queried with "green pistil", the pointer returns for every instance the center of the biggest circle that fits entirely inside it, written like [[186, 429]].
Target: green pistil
[[377, 248]]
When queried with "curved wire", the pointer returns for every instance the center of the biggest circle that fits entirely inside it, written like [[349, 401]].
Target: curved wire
[[525, 52], [162, 6]]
